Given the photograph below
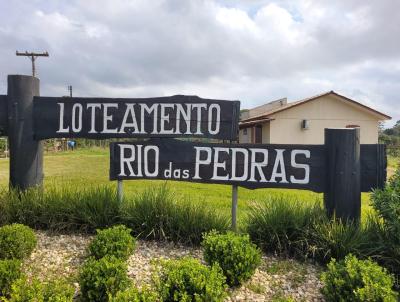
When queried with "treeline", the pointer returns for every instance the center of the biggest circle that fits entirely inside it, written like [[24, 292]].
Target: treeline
[[391, 138]]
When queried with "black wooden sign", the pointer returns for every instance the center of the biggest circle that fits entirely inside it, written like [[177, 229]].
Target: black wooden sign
[[175, 116], [3, 115], [247, 165]]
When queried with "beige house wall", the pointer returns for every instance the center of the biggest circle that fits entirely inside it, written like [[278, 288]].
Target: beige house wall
[[266, 133], [245, 138], [325, 112]]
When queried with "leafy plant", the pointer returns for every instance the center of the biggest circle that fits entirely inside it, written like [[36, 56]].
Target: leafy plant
[[10, 270], [58, 290], [357, 280], [62, 208], [101, 278], [188, 280], [115, 241], [235, 254], [386, 203], [16, 241], [278, 224], [335, 239], [133, 294], [381, 247], [157, 214]]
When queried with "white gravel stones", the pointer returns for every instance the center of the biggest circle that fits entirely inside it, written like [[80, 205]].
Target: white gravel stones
[[61, 255]]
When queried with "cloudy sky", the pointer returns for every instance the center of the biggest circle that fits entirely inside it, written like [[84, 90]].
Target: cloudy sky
[[252, 50]]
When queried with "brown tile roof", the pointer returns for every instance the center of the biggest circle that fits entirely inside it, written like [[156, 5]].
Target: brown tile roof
[[265, 116]]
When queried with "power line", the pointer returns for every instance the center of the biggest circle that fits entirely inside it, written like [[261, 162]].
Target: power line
[[32, 56]]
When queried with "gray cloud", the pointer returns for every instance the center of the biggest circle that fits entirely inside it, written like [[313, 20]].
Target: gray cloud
[[250, 50]]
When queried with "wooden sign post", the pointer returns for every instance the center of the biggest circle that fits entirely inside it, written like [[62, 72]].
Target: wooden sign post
[[342, 194], [26, 153]]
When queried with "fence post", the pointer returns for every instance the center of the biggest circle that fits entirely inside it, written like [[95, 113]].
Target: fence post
[[120, 190], [234, 207], [26, 154], [342, 196]]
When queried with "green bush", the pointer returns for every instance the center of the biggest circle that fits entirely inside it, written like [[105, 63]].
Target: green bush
[[381, 247], [101, 278], [357, 280], [62, 208], [235, 254], [335, 239], [16, 241], [386, 203], [153, 214], [157, 214], [188, 280], [10, 270], [37, 291], [115, 241], [135, 295], [277, 225]]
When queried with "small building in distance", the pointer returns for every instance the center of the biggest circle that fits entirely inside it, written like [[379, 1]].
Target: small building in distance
[[304, 121]]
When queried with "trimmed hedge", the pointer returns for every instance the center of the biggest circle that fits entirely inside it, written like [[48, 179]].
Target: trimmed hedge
[[188, 280], [10, 270], [115, 241], [102, 278], [235, 254], [133, 294], [357, 280], [35, 290], [17, 241]]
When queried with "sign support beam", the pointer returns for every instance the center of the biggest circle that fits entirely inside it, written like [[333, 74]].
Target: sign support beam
[[342, 196], [120, 191], [26, 153], [234, 207]]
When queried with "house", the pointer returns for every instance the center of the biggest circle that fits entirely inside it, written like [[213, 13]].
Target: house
[[304, 121]]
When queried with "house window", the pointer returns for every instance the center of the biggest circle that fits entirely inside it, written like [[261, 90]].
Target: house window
[[245, 131]]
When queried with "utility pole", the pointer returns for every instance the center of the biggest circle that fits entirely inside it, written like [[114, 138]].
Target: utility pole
[[70, 90], [32, 56]]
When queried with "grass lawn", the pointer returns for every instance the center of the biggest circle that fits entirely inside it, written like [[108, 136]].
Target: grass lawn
[[89, 167]]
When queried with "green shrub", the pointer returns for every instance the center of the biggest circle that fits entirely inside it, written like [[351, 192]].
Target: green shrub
[[37, 291], [10, 270], [100, 278], [386, 203], [357, 280], [135, 295], [381, 247], [16, 241], [277, 225], [188, 280], [235, 254], [63, 208], [58, 291], [115, 241], [335, 239], [156, 214]]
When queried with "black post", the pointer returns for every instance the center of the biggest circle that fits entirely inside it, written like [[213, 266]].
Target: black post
[[26, 154], [342, 195]]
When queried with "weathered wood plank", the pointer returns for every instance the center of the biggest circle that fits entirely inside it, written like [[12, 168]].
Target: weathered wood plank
[[175, 116], [247, 165], [3, 115]]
